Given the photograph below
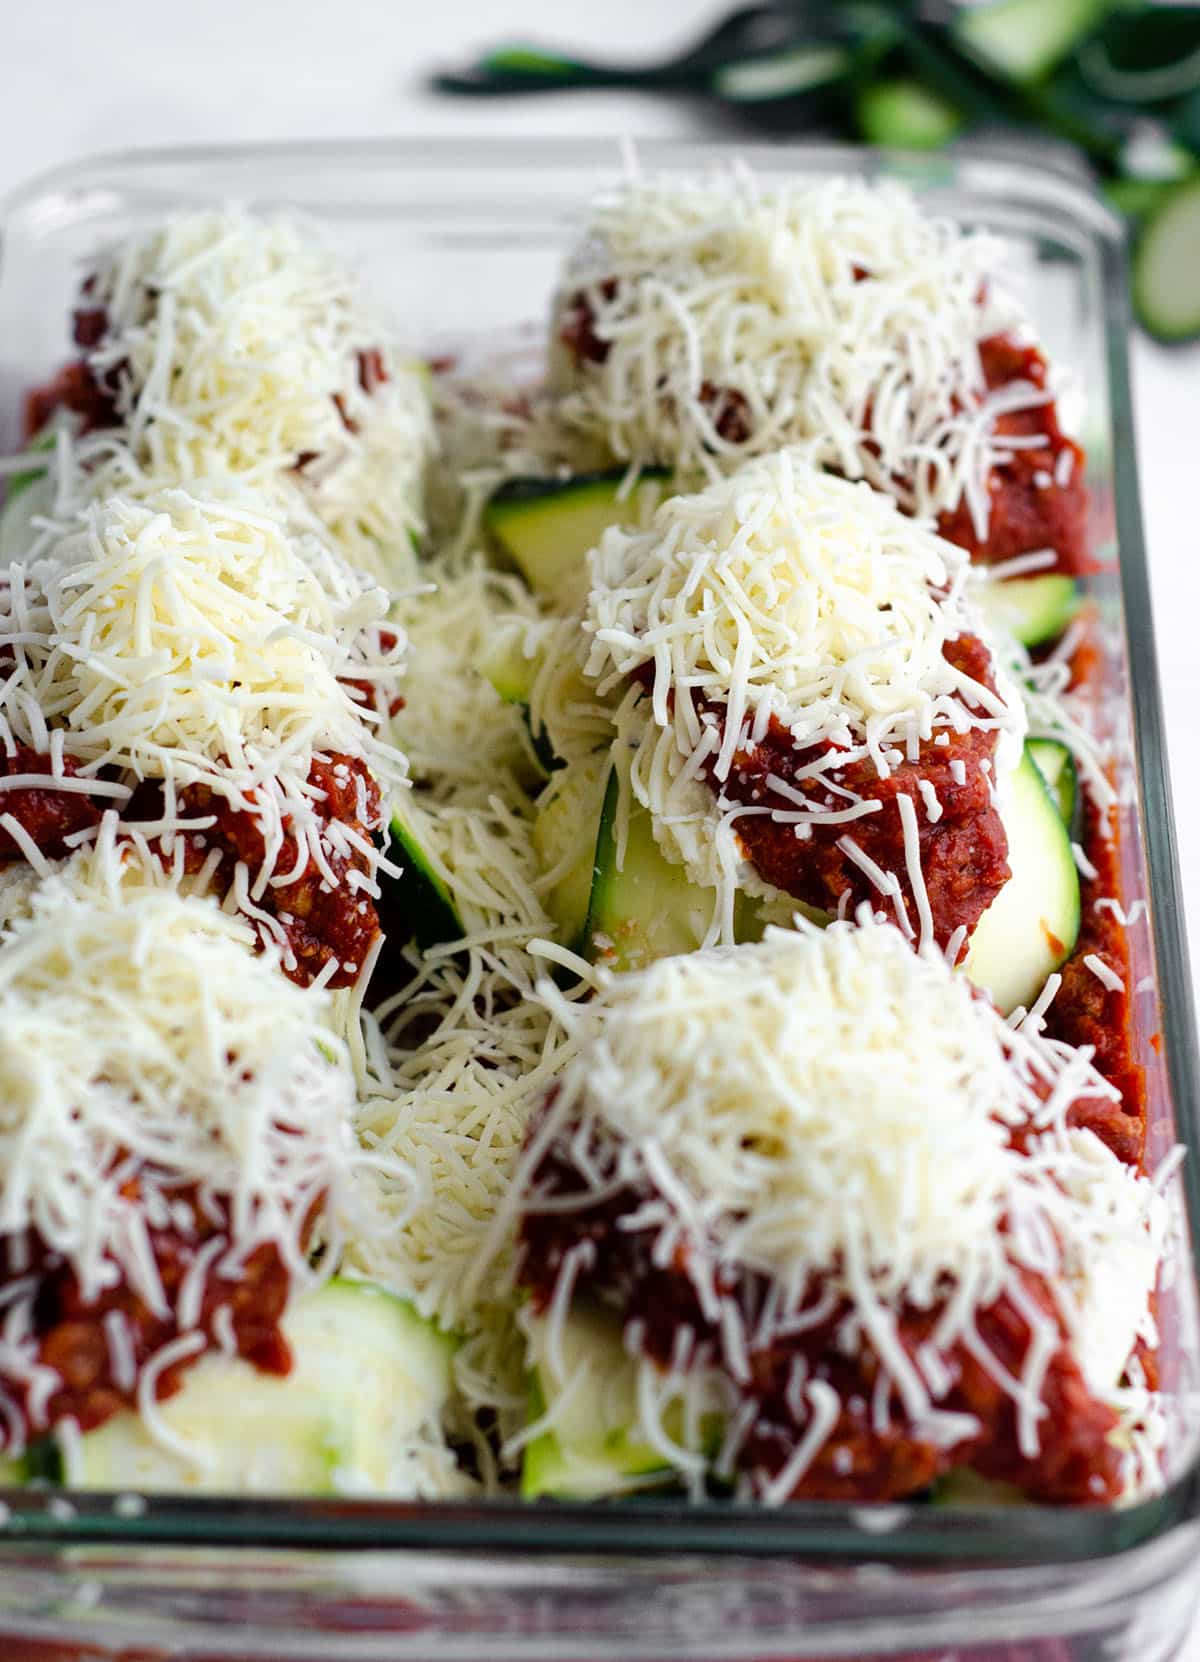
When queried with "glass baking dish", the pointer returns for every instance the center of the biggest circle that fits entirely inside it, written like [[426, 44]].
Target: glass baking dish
[[463, 240]]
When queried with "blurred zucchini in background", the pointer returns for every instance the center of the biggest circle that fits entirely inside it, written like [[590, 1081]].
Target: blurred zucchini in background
[[1118, 81]]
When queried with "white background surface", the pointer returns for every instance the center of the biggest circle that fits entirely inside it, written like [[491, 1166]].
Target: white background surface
[[79, 76]]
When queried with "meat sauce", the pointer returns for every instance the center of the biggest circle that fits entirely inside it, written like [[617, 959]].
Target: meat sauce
[[71, 1332], [49, 817], [321, 924], [1085, 1011], [963, 852], [77, 387], [1075, 1462], [1037, 496]]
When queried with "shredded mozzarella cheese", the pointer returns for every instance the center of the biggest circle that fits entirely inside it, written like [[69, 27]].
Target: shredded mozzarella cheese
[[833, 1104], [141, 1038], [729, 320], [241, 344], [780, 595], [189, 639]]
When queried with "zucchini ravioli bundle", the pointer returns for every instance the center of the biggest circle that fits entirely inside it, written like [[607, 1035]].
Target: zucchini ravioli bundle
[[181, 1174], [222, 342], [806, 707], [808, 1219], [222, 681], [700, 324]]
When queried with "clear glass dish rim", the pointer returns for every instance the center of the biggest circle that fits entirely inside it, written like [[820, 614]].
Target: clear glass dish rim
[[827, 1531]]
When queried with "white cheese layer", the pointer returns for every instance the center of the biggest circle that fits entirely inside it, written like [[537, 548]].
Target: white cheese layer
[[242, 344], [782, 595], [733, 318], [840, 1114]]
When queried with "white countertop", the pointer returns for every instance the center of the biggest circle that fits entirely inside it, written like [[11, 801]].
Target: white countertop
[[85, 77]]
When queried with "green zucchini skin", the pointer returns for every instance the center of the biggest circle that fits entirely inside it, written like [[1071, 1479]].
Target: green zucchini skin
[[1055, 763], [511, 672], [901, 114], [642, 908], [417, 905], [1027, 38], [1166, 296], [1031, 927]]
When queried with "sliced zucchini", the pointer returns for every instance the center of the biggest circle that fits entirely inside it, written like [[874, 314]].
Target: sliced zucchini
[[418, 903], [1026, 38], [511, 670], [548, 526], [905, 115], [593, 1449], [1031, 926], [964, 1487], [789, 76], [1166, 296], [367, 1375], [1055, 763], [644, 907], [1034, 610], [564, 841], [506, 664]]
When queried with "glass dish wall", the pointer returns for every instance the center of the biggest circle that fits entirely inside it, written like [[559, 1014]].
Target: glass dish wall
[[463, 242]]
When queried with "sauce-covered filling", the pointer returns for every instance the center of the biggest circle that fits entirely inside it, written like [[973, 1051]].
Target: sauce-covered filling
[[871, 1452], [99, 1347], [1037, 496], [49, 816], [319, 923], [963, 847]]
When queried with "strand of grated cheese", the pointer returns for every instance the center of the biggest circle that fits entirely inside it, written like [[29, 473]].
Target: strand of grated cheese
[[780, 595], [832, 1103], [839, 313], [234, 342]]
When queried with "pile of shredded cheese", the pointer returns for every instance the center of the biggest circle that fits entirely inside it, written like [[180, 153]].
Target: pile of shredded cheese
[[832, 1104], [191, 639], [141, 1036], [780, 595], [240, 343], [838, 313]]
